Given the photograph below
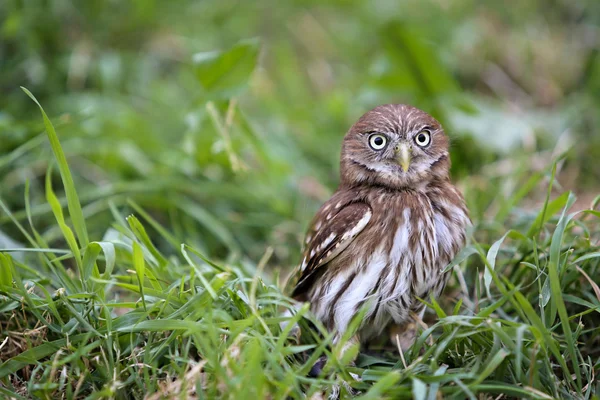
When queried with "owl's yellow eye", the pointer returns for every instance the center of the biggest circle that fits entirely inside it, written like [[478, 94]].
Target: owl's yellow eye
[[377, 141], [423, 138]]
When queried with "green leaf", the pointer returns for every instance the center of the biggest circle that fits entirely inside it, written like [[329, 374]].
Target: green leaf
[[547, 212], [140, 233], [465, 253], [491, 258], [542, 332], [32, 355], [419, 389], [140, 269], [378, 390], [211, 223], [160, 325], [554, 275], [586, 257], [225, 74], [66, 231], [203, 279], [6, 273], [72, 198], [433, 388], [159, 228], [516, 197], [491, 366], [89, 267], [108, 249]]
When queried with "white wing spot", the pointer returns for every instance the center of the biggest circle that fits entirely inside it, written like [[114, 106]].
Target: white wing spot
[[303, 267], [327, 241], [344, 242], [359, 225]]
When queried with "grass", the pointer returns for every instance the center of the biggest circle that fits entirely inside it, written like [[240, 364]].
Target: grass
[[148, 220], [117, 317]]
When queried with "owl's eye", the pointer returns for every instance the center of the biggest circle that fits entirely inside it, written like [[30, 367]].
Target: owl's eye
[[423, 138], [377, 142]]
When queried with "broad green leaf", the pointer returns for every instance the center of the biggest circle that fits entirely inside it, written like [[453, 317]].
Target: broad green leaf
[[225, 74]]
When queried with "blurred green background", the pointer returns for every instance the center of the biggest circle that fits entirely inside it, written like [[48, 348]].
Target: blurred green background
[[224, 119]]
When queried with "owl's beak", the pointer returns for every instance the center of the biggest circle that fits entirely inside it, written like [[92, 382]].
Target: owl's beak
[[403, 155]]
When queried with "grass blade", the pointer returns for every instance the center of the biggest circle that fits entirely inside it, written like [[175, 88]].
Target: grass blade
[[72, 198]]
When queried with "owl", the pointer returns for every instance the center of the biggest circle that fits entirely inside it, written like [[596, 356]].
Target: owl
[[385, 236]]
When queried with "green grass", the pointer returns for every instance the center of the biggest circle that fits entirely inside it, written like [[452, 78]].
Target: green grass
[[120, 318], [148, 220]]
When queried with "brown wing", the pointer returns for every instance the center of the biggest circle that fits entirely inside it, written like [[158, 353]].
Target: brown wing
[[332, 230]]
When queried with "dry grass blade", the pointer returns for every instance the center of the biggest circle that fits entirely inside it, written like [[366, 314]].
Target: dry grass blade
[[591, 281]]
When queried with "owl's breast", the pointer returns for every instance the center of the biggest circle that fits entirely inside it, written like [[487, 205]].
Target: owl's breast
[[420, 235], [398, 256]]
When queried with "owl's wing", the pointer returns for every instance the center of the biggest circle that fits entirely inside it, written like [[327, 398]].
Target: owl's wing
[[329, 235]]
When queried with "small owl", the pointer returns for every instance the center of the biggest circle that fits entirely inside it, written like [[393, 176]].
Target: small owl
[[386, 234]]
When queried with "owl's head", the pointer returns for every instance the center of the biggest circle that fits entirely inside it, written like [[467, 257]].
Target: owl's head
[[397, 146]]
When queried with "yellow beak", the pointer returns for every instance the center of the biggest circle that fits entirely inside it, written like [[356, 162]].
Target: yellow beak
[[403, 155]]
